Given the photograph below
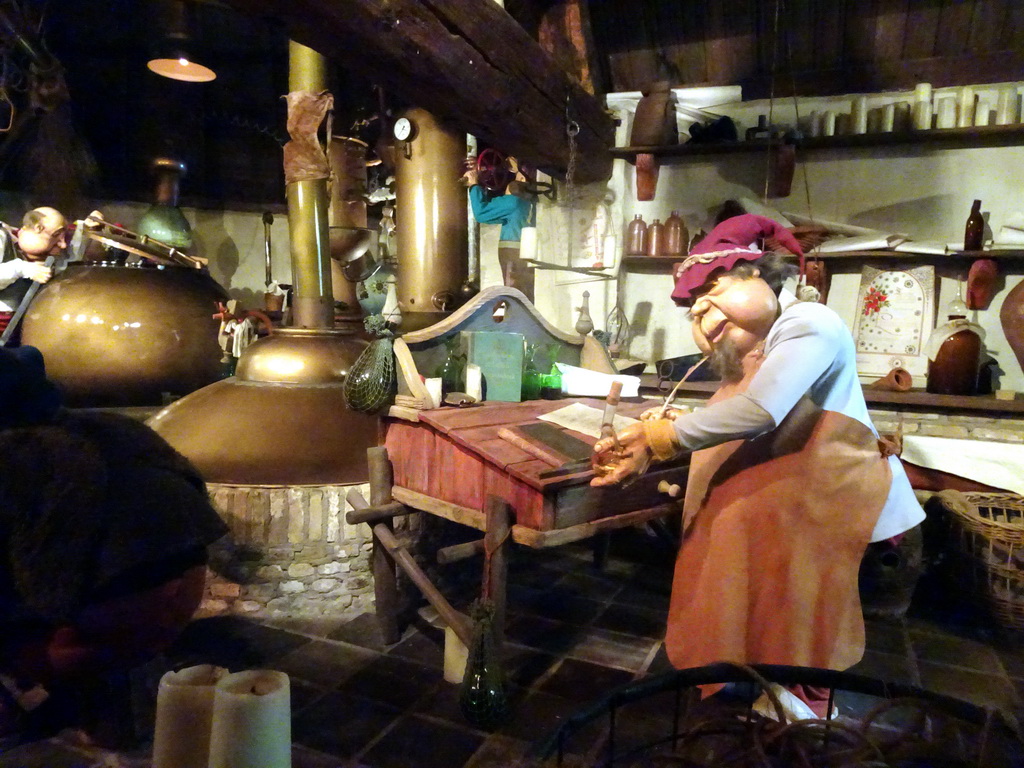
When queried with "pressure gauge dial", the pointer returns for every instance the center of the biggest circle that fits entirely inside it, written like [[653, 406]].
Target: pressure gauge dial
[[403, 129]]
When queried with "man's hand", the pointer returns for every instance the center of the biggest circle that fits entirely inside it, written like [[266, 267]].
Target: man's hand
[[37, 271], [471, 177], [671, 413], [614, 461]]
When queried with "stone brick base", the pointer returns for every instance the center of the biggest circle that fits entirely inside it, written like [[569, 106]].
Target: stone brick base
[[289, 553]]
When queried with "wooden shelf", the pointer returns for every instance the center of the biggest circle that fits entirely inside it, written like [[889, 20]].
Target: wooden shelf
[[664, 263], [980, 136], [915, 399]]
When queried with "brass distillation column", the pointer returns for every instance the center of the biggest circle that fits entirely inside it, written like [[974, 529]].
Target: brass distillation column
[[282, 419], [349, 236], [432, 230]]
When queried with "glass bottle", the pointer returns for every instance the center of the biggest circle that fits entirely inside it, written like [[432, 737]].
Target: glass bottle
[[482, 698], [531, 376], [975, 228], [677, 238], [452, 371], [636, 237], [656, 238]]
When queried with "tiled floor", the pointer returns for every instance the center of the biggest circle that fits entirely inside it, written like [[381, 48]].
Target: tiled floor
[[574, 634]]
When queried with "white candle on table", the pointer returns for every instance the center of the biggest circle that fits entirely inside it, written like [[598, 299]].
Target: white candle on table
[[252, 725], [184, 713]]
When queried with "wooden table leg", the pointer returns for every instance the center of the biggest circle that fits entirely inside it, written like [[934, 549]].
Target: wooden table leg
[[497, 539], [385, 575]]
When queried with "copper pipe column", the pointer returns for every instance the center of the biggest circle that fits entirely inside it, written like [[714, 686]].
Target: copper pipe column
[[432, 229], [312, 292]]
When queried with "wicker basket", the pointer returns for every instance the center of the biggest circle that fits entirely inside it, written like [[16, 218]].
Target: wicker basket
[[987, 538]]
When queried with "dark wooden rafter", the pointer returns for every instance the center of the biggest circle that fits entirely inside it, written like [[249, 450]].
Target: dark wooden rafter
[[467, 62], [565, 33]]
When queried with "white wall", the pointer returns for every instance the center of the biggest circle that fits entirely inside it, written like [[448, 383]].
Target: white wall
[[921, 190], [233, 241]]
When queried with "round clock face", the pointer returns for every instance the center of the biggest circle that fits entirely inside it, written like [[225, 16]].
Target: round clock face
[[403, 129]]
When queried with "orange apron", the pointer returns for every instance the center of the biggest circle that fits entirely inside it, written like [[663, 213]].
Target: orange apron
[[774, 532]]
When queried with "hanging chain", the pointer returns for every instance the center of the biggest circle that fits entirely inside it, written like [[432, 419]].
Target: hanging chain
[[572, 128], [771, 104]]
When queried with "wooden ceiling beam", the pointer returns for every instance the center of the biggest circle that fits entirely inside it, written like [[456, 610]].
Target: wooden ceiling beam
[[467, 62]]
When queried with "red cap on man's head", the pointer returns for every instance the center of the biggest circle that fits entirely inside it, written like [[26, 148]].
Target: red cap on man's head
[[731, 241]]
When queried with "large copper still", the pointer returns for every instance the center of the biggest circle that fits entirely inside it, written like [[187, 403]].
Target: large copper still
[[282, 419], [116, 335]]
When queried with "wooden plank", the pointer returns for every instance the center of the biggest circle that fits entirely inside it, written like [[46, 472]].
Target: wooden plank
[[828, 33], [922, 29], [473, 518], [859, 31], [688, 55], [890, 29], [459, 475], [954, 28], [801, 39], [530, 537], [987, 23], [410, 446], [446, 420], [731, 45], [434, 54]]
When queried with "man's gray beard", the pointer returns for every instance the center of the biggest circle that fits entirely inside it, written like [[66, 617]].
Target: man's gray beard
[[726, 361]]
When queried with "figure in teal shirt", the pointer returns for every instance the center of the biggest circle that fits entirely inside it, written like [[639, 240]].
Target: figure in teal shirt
[[513, 210]]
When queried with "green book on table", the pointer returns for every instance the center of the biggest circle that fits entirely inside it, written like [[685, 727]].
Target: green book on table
[[500, 357]]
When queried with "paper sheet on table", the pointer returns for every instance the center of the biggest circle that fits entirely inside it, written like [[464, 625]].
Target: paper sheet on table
[[996, 464], [585, 419], [582, 382]]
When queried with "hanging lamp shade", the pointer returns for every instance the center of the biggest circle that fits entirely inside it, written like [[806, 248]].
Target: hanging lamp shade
[[174, 53]]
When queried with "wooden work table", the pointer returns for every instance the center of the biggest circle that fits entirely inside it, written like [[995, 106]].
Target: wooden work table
[[470, 465], [452, 459]]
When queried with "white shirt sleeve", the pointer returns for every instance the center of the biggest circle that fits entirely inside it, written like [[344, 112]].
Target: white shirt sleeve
[[11, 270], [800, 350]]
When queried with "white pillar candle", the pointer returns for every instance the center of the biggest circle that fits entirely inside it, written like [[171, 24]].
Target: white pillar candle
[[982, 113], [945, 113], [859, 115], [923, 92], [252, 726], [888, 119], [828, 123], [965, 108], [1006, 107], [434, 389], [904, 116], [528, 243], [455, 656], [474, 381], [922, 115], [184, 713]]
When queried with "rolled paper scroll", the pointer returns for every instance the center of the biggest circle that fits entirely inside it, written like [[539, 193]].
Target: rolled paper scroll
[[252, 721], [184, 715]]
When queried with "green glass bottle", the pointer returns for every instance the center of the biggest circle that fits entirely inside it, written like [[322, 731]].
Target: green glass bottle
[[483, 698], [452, 371]]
